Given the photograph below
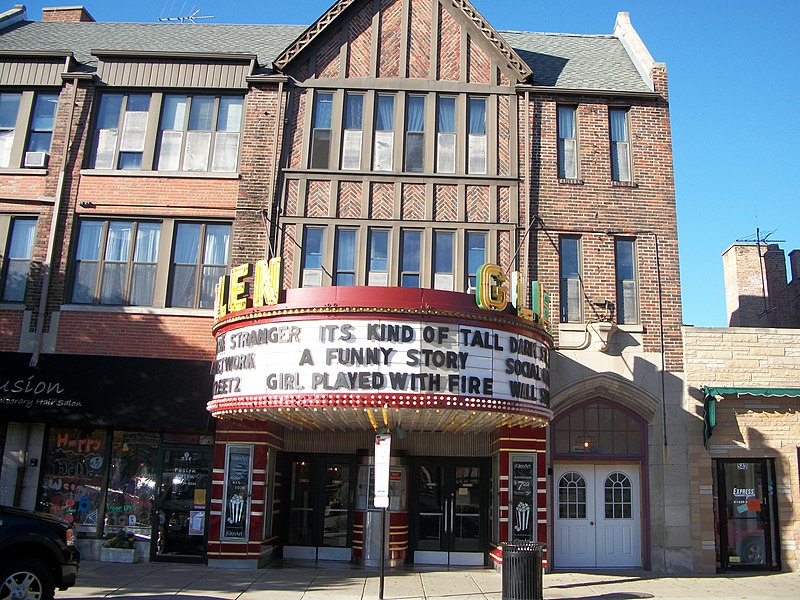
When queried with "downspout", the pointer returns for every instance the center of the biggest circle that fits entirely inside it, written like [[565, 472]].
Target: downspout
[[51, 245], [528, 161], [273, 175], [661, 333]]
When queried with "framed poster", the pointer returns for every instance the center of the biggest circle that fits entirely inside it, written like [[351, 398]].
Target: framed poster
[[238, 483], [522, 510]]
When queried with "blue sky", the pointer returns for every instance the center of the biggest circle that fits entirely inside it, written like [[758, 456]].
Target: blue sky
[[734, 84]]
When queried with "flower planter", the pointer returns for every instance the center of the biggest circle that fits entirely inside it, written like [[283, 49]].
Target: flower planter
[[118, 555]]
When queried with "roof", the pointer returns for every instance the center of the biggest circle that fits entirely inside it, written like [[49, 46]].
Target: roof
[[562, 61], [577, 62]]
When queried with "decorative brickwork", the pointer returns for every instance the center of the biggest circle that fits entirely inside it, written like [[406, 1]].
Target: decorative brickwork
[[449, 67], [381, 204], [504, 205], [503, 136], [349, 200], [290, 247], [292, 196], [445, 203], [479, 64], [419, 39], [389, 55], [504, 250], [328, 63], [477, 204], [413, 202], [318, 199], [298, 113], [359, 33]]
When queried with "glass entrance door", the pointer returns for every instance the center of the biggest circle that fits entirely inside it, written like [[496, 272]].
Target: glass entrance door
[[182, 504], [748, 535], [319, 500], [451, 498]]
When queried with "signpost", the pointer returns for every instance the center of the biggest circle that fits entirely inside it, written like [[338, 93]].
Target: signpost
[[383, 444]]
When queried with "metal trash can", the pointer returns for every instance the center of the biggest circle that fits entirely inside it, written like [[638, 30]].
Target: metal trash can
[[522, 571]]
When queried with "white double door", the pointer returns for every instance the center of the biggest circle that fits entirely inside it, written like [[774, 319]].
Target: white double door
[[598, 516]]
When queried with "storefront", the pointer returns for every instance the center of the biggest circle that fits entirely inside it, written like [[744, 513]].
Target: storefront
[[462, 390], [112, 444]]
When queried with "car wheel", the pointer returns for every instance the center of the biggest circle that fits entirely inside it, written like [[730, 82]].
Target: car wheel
[[753, 552], [26, 580]]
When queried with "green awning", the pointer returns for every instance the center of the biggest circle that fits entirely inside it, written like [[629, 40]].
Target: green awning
[[709, 402]]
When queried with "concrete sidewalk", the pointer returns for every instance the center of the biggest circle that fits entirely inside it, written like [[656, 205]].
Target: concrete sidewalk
[[317, 581]]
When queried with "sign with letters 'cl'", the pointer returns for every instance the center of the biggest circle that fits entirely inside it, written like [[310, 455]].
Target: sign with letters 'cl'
[[383, 443]]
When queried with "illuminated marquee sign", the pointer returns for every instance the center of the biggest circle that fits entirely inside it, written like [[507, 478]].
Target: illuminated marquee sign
[[381, 356], [492, 294]]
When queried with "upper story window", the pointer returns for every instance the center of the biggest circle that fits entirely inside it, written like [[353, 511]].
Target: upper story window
[[313, 246], [321, 134], [199, 133], [446, 135], [196, 133], [200, 258], [477, 136], [476, 256], [567, 143], [620, 144], [345, 257], [123, 262], [627, 293], [17, 255], [384, 133], [570, 288], [353, 131], [115, 262], [410, 247], [415, 134], [21, 110], [378, 272], [443, 254]]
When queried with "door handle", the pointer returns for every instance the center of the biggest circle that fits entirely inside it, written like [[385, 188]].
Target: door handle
[[452, 514], [445, 515], [591, 522]]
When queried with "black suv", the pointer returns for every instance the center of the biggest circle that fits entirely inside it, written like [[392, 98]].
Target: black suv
[[37, 554]]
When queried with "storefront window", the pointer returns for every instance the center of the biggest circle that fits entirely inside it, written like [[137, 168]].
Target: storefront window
[[131, 483], [73, 476]]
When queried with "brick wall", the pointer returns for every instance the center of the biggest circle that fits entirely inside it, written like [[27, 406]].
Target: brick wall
[[747, 426]]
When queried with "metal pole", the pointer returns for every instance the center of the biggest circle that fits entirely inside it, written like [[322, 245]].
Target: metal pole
[[383, 551]]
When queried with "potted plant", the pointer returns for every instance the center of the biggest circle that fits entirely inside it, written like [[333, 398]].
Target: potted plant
[[119, 549]]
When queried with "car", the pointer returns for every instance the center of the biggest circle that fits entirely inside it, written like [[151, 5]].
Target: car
[[37, 554]]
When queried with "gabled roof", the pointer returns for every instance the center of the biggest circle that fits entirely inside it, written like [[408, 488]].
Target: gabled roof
[[265, 41], [491, 36]]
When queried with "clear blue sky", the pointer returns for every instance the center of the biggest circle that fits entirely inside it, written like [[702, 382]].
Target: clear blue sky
[[734, 87]]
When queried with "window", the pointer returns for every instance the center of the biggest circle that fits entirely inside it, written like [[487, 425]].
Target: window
[[627, 295], [618, 502], [115, 262], [353, 131], [18, 254], [199, 133], [570, 262], [477, 136], [620, 144], [200, 258], [121, 127], [312, 256], [446, 135], [384, 134], [598, 428], [321, 134], [9, 107], [567, 143], [415, 134], [443, 275], [572, 496], [42, 121], [410, 245], [476, 256], [345, 257], [378, 257]]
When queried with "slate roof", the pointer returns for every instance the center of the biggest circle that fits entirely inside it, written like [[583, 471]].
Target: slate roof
[[562, 61]]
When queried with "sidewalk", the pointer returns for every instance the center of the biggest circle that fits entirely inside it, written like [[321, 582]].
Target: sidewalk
[[310, 581]]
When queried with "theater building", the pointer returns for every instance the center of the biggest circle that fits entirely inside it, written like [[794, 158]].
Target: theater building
[[460, 237]]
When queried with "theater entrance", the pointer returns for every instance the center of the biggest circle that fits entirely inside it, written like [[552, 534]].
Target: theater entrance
[[449, 510]]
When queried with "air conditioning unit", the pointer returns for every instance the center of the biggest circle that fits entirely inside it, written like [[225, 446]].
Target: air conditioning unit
[[36, 159]]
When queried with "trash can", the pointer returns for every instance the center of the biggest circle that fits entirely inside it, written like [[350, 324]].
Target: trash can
[[522, 571]]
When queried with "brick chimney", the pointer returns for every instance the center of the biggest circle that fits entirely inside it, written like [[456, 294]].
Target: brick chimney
[[756, 291], [66, 14]]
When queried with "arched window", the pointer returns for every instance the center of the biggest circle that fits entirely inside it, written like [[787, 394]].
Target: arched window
[[572, 496], [618, 496], [598, 428]]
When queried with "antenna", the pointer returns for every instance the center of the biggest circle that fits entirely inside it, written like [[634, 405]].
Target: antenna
[[758, 241], [190, 18]]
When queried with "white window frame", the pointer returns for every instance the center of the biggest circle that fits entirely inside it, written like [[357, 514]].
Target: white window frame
[[383, 153], [353, 134], [621, 163], [567, 144]]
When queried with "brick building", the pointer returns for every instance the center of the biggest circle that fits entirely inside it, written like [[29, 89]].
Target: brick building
[[395, 161]]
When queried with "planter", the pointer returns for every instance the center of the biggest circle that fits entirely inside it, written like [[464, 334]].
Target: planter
[[118, 555]]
